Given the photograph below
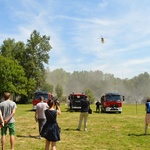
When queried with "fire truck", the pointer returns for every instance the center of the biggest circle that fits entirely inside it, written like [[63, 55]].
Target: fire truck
[[75, 100], [111, 102], [38, 94]]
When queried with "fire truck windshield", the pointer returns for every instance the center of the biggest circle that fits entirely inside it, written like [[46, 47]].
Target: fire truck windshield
[[37, 96], [77, 97], [113, 97]]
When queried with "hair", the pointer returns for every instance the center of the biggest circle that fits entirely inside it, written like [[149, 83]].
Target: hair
[[6, 95], [148, 100], [41, 98], [50, 103]]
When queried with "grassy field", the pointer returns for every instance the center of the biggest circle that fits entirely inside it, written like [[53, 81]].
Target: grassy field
[[105, 131]]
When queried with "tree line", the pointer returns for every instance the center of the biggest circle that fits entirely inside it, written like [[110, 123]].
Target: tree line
[[22, 72], [98, 83]]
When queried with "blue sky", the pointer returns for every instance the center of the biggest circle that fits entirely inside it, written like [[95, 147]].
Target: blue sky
[[75, 28]]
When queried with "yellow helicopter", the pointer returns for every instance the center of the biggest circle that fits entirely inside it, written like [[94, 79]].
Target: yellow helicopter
[[102, 39]]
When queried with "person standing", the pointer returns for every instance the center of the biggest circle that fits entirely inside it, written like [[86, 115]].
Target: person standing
[[98, 106], [147, 117], [85, 105], [8, 109], [51, 125], [40, 114]]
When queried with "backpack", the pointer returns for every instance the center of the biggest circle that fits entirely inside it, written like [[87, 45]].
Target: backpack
[[148, 107]]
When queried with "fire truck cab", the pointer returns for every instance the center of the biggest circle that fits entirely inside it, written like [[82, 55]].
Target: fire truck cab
[[75, 100], [112, 102], [38, 94]]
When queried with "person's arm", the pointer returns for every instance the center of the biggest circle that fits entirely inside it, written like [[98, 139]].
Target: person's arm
[[1, 117], [9, 117], [58, 109], [36, 114]]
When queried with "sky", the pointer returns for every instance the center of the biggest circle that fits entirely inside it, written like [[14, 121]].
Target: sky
[[75, 28]]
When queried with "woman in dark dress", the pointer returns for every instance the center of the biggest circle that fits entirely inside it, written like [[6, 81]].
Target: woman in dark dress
[[53, 132]]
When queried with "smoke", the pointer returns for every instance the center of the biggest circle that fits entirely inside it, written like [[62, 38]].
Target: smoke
[[134, 90]]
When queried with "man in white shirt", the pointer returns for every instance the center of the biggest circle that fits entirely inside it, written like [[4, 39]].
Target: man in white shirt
[[40, 113]]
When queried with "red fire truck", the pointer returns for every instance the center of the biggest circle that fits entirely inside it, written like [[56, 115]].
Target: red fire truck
[[112, 102], [75, 100], [38, 94]]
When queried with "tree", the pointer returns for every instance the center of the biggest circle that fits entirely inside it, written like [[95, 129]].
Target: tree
[[58, 76], [36, 55], [47, 87], [8, 48], [59, 91], [12, 77], [31, 56], [90, 95]]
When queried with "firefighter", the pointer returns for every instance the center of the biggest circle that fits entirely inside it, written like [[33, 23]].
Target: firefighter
[[98, 106]]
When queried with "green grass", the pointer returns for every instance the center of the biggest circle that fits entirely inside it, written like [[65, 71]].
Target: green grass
[[105, 131]]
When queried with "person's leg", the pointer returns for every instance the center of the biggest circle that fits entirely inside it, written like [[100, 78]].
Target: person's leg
[[146, 127], [80, 121], [85, 121], [99, 110], [12, 139], [147, 121], [47, 145], [3, 136], [11, 127], [53, 145], [3, 141], [41, 123]]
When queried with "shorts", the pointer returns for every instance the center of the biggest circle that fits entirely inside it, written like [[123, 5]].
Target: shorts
[[10, 126]]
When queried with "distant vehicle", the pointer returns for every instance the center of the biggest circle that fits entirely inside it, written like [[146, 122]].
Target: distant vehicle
[[38, 94], [112, 102], [75, 100]]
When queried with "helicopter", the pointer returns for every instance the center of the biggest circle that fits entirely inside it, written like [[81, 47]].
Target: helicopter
[[102, 39]]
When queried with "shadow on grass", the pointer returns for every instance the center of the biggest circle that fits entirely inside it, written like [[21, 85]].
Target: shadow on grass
[[133, 134], [71, 111], [28, 136], [31, 110], [70, 129]]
